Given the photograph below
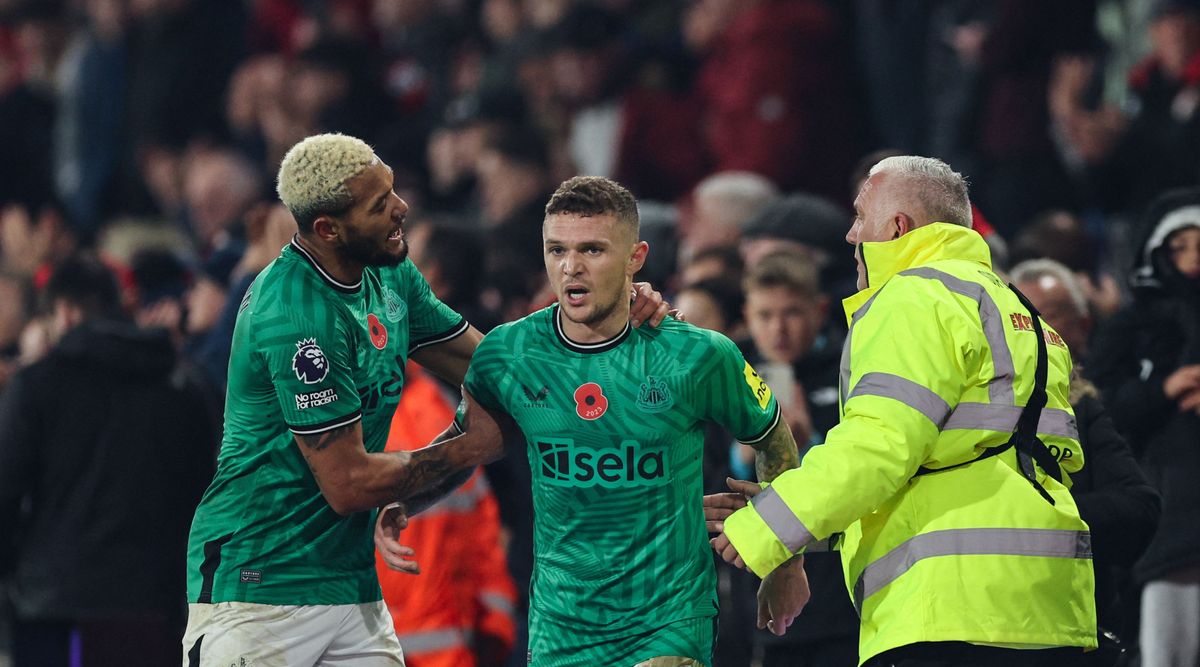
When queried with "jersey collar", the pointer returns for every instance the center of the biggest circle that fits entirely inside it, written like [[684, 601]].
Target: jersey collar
[[336, 284], [586, 348]]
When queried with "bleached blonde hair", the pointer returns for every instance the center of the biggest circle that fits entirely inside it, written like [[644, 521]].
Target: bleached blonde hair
[[313, 175]]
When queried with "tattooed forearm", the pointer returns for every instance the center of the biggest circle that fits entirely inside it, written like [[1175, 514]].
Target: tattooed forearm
[[425, 470], [319, 441], [422, 501], [776, 453]]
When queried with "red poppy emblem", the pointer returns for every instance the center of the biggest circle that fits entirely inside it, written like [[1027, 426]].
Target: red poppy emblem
[[377, 330], [590, 402]]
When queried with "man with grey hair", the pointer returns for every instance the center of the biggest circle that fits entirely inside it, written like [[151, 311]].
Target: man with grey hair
[[721, 205], [1060, 298], [281, 568], [943, 480]]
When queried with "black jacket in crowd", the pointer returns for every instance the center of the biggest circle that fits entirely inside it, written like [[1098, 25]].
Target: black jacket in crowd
[[105, 449], [1116, 500], [1131, 356]]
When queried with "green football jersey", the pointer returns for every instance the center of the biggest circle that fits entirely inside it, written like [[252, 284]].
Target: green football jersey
[[615, 444], [309, 354]]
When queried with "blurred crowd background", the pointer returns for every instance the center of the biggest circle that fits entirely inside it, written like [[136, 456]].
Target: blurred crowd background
[[139, 140]]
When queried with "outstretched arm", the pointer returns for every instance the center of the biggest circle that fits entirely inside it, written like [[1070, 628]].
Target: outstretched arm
[[784, 592], [423, 500], [353, 480]]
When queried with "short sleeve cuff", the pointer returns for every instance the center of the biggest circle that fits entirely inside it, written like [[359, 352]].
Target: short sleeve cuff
[[304, 429], [444, 337], [762, 434]]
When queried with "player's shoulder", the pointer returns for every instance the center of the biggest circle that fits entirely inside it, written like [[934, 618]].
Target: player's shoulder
[[671, 329], [511, 335], [288, 290], [687, 339]]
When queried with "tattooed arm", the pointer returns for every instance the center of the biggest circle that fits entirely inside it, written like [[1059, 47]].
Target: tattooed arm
[[775, 453], [353, 480], [423, 500], [784, 592]]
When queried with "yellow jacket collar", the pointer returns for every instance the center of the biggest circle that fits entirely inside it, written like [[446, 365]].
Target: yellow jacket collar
[[921, 246]]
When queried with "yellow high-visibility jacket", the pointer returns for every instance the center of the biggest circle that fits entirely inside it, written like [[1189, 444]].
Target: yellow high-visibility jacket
[[937, 367]]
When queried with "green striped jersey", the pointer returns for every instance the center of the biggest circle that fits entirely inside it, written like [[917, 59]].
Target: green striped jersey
[[309, 354], [615, 444]]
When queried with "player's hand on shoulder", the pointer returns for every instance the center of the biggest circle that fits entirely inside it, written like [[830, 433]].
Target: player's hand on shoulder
[[782, 596], [648, 306], [388, 525]]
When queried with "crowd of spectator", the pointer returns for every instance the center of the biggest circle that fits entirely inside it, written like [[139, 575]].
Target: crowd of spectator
[[140, 138]]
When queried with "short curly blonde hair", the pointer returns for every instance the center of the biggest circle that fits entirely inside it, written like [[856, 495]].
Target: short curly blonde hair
[[313, 175]]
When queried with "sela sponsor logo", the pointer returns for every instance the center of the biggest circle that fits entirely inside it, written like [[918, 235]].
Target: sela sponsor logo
[[564, 463], [378, 332], [315, 399], [394, 308], [1023, 322], [309, 362], [654, 396], [590, 401]]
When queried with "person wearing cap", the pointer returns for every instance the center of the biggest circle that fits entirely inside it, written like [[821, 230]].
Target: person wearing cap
[[946, 479], [807, 224], [1146, 362], [455, 146]]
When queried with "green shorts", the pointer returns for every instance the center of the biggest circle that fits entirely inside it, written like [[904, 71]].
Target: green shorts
[[555, 644]]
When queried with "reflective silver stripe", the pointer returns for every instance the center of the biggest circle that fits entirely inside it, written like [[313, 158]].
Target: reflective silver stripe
[[818, 547], [1000, 389], [779, 518], [1038, 542], [906, 391], [844, 368], [497, 602], [844, 377], [1003, 418], [434, 640]]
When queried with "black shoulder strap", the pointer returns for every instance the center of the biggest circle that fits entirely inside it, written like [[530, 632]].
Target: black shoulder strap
[[1029, 446]]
